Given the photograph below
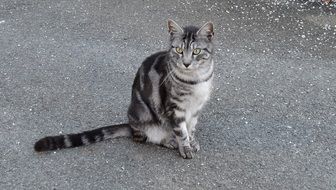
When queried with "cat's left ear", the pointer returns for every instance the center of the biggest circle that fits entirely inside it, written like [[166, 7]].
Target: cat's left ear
[[206, 30], [173, 27]]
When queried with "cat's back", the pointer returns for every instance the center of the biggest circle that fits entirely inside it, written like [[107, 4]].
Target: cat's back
[[146, 97]]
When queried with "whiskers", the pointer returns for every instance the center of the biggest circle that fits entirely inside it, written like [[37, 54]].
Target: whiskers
[[170, 71]]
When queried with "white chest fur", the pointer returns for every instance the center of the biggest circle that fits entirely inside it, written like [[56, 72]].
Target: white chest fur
[[200, 94]]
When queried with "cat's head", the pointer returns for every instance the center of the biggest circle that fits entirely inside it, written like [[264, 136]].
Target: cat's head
[[191, 47]]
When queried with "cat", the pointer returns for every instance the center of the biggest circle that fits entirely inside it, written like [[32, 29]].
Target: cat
[[169, 90]]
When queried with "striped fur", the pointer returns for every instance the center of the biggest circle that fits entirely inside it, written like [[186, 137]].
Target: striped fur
[[168, 93], [84, 138]]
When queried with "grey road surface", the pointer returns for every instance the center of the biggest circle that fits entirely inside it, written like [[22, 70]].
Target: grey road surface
[[67, 66]]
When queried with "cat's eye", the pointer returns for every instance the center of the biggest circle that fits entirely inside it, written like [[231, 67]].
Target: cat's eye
[[179, 50], [196, 51]]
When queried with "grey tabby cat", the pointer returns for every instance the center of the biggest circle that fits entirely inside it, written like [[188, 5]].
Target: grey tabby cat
[[168, 92]]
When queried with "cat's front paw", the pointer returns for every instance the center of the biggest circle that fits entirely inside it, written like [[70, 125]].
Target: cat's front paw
[[172, 144], [195, 146], [186, 152]]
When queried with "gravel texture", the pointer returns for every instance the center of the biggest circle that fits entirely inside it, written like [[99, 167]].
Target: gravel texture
[[68, 66]]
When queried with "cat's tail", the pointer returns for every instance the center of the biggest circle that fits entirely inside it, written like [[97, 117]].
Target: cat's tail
[[83, 138]]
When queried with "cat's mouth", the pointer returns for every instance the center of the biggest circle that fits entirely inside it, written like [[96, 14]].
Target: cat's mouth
[[191, 68], [188, 69]]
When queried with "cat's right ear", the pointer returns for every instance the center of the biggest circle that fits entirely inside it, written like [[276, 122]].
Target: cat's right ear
[[173, 27]]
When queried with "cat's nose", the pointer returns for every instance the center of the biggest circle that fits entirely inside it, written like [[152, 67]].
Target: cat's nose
[[186, 64]]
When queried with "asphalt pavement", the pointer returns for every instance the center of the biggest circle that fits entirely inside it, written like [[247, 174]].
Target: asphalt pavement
[[68, 66]]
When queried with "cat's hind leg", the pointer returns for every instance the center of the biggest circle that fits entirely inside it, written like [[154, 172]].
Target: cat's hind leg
[[138, 133], [139, 136]]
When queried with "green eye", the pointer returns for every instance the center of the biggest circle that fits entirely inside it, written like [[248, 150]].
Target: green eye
[[179, 50], [196, 51]]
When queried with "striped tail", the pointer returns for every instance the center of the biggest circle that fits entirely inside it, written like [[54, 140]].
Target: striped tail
[[83, 138]]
